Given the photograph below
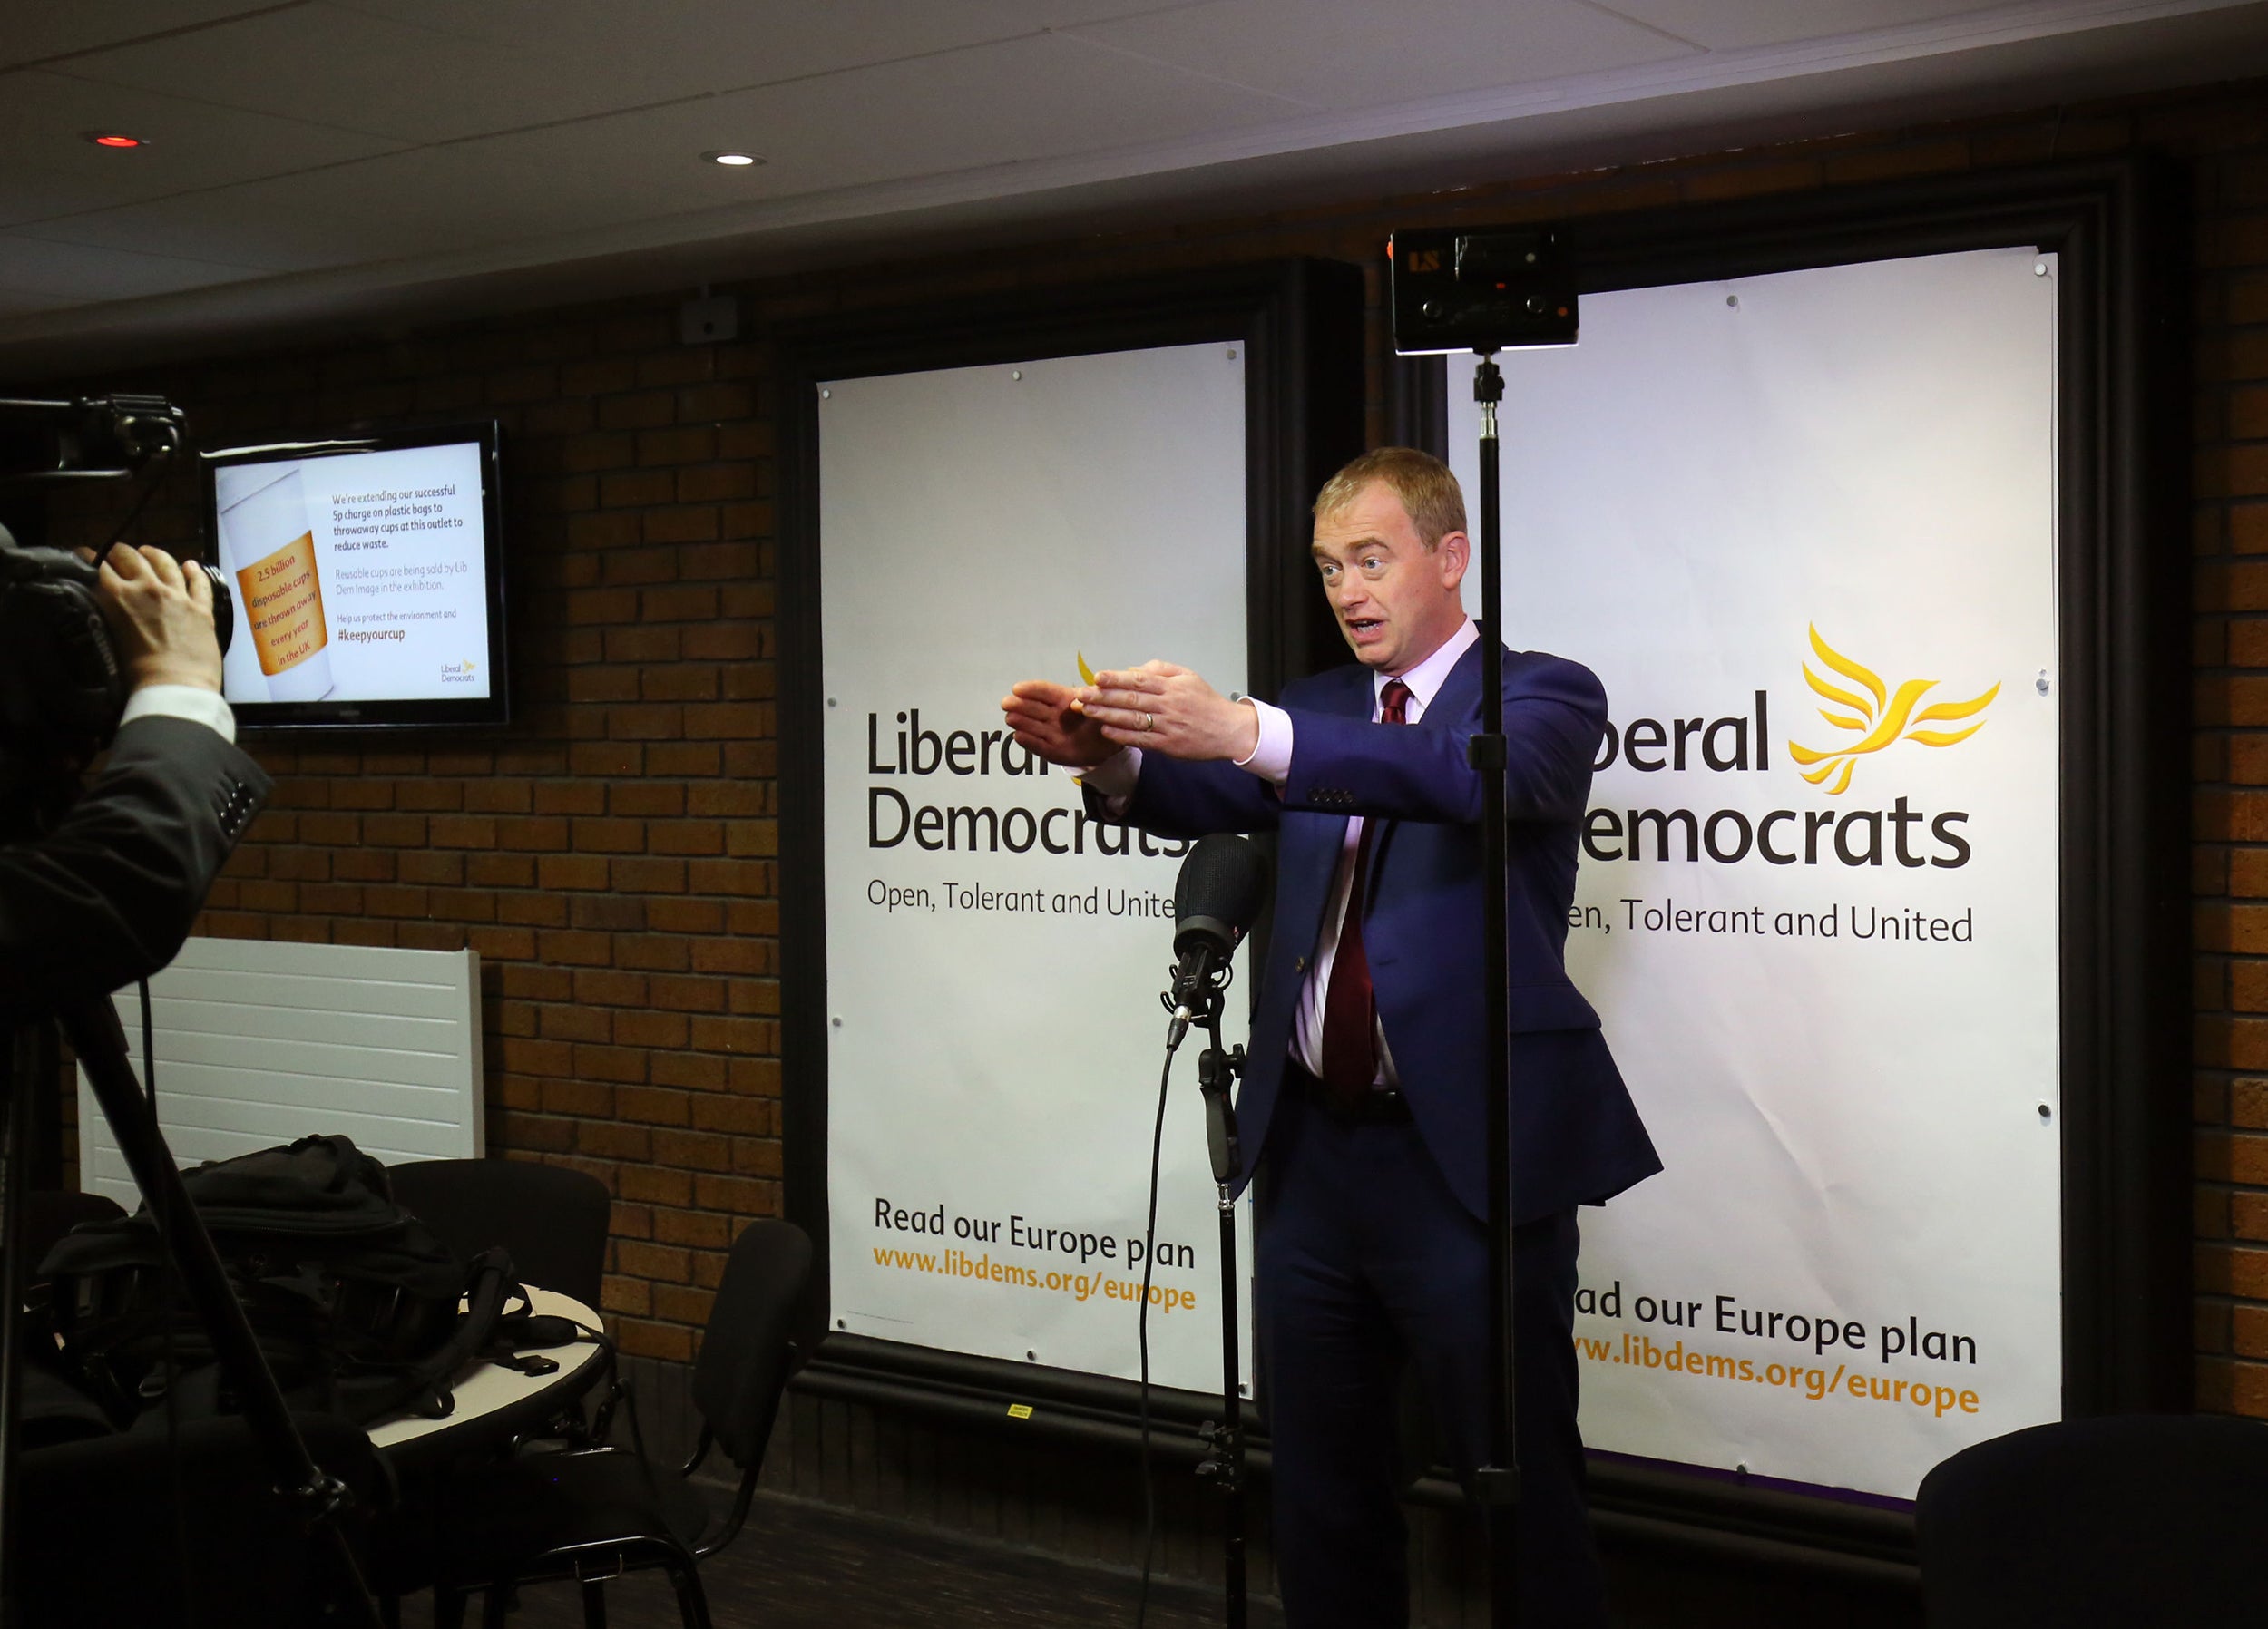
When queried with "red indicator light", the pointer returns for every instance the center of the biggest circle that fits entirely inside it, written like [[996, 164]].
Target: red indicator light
[[111, 139]]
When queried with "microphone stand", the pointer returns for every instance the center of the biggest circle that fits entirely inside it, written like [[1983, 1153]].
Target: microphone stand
[[1217, 1070], [1497, 1482]]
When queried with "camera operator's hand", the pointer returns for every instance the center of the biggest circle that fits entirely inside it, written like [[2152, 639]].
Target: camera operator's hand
[[162, 617]]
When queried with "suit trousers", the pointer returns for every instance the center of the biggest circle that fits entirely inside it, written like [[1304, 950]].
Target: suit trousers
[[1366, 1262]]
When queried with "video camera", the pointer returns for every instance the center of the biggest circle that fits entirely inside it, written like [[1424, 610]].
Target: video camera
[[1481, 290], [62, 685]]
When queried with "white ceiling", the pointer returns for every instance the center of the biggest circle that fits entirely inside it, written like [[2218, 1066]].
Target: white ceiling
[[313, 160]]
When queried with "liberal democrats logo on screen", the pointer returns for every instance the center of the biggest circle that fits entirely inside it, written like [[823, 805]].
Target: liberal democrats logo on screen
[[1879, 717]]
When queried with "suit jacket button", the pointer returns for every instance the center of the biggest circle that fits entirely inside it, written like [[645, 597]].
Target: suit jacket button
[[1299, 964]]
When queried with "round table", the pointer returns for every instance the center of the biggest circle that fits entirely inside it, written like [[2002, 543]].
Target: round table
[[495, 1403]]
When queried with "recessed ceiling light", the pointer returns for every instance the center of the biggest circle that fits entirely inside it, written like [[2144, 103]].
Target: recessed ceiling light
[[734, 159], [111, 138]]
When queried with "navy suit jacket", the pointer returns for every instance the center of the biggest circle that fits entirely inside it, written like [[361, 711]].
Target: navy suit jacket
[[1577, 1137]]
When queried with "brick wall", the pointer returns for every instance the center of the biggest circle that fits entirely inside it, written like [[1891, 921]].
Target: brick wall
[[611, 858]]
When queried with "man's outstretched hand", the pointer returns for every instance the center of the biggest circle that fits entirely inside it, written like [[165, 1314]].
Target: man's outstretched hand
[[1042, 718], [1157, 706]]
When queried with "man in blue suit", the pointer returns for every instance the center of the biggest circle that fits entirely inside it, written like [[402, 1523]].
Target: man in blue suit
[[1365, 1107]]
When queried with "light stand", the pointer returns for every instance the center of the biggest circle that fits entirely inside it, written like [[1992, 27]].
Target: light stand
[[92, 1030], [1498, 1481], [1482, 291]]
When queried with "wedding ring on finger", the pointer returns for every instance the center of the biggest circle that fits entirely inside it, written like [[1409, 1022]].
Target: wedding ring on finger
[[1149, 721]]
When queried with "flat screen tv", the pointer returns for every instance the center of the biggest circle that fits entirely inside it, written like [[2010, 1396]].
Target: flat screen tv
[[368, 576]]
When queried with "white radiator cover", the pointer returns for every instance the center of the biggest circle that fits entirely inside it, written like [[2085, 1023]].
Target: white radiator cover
[[260, 1042]]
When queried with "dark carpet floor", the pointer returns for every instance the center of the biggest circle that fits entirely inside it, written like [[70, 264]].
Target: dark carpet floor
[[798, 1565]]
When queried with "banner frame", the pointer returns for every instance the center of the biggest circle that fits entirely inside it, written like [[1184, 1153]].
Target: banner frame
[[2116, 227], [1299, 323]]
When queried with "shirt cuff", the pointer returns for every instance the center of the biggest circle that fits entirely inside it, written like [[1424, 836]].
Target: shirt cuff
[[1271, 758], [192, 702], [1113, 780]]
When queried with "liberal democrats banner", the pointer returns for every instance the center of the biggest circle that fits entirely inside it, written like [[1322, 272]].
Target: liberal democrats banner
[[995, 960], [1803, 528]]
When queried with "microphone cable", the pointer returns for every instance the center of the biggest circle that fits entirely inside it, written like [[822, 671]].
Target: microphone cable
[[1149, 1258]]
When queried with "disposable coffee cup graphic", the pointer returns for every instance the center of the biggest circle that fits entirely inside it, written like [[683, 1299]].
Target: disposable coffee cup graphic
[[268, 544]]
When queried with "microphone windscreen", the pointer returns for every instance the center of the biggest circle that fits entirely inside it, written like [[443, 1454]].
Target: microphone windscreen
[[1222, 884]]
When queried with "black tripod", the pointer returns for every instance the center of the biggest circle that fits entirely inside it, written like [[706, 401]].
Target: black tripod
[[91, 1026]]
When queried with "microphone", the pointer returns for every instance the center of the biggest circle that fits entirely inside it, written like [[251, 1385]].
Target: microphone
[[1215, 899]]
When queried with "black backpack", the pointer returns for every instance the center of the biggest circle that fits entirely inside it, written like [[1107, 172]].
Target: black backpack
[[353, 1300]]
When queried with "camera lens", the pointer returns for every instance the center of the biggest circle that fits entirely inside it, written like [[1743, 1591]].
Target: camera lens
[[223, 605]]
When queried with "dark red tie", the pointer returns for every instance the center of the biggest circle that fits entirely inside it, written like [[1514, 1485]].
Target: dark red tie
[[1350, 1008]]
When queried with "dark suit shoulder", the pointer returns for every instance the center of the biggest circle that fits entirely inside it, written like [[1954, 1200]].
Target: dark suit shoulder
[[1329, 690], [1548, 673], [1545, 661], [1529, 675]]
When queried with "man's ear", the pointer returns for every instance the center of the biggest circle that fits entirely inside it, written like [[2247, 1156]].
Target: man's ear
[[1453, 555]]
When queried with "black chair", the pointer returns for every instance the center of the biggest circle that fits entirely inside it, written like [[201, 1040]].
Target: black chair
[[551, 1219], [50, 1213], [52, 1410], [588, 1513], [2136, 1520]]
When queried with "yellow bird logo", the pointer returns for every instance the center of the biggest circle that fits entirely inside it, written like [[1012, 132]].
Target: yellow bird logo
[[1878, 717]]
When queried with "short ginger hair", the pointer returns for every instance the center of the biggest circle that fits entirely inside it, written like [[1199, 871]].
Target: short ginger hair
[[1429, 492]]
